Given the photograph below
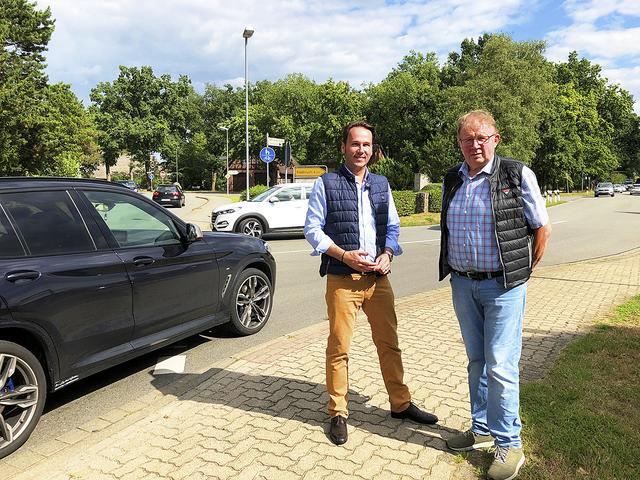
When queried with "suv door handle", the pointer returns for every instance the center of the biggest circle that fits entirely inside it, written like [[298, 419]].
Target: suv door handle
[[140, 261], [22, 275]]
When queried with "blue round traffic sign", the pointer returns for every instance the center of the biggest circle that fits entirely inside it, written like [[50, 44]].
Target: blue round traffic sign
[[267, 155]]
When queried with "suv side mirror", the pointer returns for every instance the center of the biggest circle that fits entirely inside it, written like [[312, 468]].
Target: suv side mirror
[[194, 233], [274, 200]]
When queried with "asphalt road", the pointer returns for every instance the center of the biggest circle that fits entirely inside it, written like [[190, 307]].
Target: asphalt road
[[583, 228]]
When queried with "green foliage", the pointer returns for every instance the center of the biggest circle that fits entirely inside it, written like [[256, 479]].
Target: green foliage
[[44, 129], [435, 197], [398, 173], [253, 192], [405, 201], [407, 110], [141, 113]]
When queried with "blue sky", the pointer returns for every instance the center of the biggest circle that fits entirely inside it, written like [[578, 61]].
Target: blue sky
[[359, 41]]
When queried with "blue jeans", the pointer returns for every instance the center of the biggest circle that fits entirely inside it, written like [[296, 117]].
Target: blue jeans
[[490, 319]]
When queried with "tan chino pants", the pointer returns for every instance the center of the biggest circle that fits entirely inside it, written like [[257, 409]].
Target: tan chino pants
[[345, 295]]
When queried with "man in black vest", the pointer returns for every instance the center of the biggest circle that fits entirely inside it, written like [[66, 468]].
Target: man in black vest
[[352, 222], [495, 229]]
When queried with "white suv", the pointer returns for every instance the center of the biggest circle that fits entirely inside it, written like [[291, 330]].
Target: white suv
[[282, 208]]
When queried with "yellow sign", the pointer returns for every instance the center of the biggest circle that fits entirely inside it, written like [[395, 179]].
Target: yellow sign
[[314, 171]]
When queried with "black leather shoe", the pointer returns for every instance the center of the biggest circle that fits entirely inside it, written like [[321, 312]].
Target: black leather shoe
[[414, 413], [338, 430]]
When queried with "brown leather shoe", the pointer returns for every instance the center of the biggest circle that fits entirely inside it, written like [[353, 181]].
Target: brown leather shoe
[[414, 413], [338, 430]]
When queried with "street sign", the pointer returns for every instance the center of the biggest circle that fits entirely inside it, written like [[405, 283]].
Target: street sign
[[275, 142], [267, 155], [309, 172], [150, 175], [233, 172]]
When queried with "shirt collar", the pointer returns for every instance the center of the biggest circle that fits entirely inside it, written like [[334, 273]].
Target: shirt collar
[[488, 168], [366, 174]]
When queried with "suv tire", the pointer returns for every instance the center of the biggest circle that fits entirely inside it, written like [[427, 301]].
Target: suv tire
[[251, 302], [21, 378], [251, 226]]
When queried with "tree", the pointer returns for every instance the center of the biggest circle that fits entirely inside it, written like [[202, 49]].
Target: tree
[[136, 112], [407, 109], [65, 136], [510, 79], [24, 35]]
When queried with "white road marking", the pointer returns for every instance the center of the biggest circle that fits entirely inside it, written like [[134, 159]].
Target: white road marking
[[168, 365], [559, 221]]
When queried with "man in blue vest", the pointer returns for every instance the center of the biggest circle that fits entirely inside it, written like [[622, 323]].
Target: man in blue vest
[[353, 223], [495, 229]]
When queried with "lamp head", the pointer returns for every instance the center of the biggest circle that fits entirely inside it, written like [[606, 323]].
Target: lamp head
[[248, 31]]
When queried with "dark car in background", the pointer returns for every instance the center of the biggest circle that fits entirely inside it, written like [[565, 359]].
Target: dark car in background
[[169, 195], [92, 275], [130, 184]]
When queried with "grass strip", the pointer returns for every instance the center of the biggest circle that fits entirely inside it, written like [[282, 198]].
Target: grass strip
[[582, 421], [420, 219]]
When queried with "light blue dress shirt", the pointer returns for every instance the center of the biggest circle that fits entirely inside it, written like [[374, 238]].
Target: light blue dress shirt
[[317, 214]]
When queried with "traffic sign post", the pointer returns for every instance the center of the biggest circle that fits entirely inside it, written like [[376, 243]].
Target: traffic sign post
[[267, 155]]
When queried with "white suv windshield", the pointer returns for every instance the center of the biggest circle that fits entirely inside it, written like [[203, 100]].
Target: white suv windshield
[[264, 195]]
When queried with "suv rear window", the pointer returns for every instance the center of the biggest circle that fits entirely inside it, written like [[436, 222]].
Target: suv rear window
[[48, 222], [166, 188]]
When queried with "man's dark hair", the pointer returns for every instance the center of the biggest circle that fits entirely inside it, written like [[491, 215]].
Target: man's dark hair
[[358, 123]]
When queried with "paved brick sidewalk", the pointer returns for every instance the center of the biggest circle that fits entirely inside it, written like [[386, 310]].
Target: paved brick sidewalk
[[262, 414]]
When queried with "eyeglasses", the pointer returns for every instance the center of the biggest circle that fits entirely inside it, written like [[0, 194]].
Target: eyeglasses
[[468, 142]]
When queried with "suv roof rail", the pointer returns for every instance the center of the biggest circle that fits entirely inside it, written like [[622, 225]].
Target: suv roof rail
[[57, 179]]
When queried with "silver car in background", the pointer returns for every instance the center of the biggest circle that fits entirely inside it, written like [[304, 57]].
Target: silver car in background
[[604, 188]]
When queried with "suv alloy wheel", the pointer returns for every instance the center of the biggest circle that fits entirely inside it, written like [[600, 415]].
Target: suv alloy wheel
[[22, 395]]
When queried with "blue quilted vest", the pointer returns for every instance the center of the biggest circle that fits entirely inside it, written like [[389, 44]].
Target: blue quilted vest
[[342, 215]]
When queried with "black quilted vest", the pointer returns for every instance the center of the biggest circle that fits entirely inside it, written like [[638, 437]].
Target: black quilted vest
[[341, 224], [513, 234]]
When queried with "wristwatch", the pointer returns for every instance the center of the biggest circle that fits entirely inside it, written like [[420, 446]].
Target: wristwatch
[[389, 252]]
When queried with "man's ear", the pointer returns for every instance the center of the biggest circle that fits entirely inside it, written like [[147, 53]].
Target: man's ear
[[342, 148]]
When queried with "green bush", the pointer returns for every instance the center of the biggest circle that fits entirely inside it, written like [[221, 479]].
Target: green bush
[[253, 192], [435, 197], [405, 201]]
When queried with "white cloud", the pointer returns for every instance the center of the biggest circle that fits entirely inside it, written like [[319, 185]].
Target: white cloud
[[358, 41]]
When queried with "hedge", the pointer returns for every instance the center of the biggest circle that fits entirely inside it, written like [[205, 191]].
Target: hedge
[[409, 202], [253, 192], [405, 201]]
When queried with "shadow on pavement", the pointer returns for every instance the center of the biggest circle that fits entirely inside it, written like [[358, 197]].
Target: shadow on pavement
[[303, 401]]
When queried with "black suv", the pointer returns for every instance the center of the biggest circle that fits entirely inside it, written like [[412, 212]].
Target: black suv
[[92, 274]]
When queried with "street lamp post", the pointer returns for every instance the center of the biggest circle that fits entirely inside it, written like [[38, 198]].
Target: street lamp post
[[248, 31], [177, 179], [226, 130]]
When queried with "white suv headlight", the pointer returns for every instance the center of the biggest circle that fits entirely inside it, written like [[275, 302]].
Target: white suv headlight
[[228, 210]]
